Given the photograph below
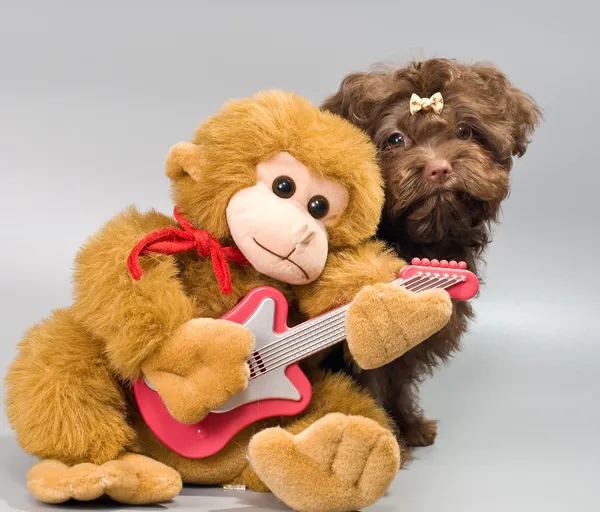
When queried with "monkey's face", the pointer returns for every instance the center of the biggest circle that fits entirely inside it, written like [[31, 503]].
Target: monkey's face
[[284, 181], [280, 223]]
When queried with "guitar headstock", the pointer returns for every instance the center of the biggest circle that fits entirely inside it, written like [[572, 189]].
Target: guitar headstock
[[464, 285]]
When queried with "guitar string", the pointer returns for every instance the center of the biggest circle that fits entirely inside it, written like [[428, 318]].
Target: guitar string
[[286, 340], [315, 339], [264, 355], [266, 358], [329, 339], [454, 278], [323, 342], [271, 357]]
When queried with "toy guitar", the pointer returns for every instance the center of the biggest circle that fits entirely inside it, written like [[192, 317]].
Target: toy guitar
[[277, 386]]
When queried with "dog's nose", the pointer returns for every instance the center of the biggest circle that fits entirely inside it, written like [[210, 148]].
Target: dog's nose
[[438, 170], [303, 234]]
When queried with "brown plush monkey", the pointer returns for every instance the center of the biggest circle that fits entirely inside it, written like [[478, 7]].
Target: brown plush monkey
[[294, 192]]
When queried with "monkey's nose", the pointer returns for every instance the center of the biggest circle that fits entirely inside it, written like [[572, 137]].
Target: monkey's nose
[[438, 170], [303, 234]]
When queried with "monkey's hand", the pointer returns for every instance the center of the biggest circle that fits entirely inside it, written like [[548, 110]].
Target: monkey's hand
[[385, 321], [200, 367]]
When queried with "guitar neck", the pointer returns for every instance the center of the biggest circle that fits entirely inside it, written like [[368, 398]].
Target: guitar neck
[[327, 330]]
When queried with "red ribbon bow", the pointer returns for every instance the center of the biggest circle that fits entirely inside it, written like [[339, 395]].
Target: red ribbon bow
[[173, 241]]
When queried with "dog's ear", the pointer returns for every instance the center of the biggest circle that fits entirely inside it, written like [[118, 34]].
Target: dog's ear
[[527, 117], [359, 96], [520, 108]]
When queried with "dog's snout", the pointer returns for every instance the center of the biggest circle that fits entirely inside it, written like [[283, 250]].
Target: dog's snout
[[438, 170], [303, 234]]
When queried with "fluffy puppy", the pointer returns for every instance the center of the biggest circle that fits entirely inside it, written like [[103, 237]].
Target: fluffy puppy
[[447, 134]]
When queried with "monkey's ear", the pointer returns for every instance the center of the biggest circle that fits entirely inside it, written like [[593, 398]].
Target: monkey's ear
[[185, 159], [359, 95]]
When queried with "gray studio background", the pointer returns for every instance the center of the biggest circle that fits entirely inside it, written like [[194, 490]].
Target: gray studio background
[[92, 94]]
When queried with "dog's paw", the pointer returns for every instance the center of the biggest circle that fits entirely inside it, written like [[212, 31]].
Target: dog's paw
[[421, 434]]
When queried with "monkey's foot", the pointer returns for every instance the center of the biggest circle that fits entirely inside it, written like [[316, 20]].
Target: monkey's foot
[[132, 479], [340, 463]]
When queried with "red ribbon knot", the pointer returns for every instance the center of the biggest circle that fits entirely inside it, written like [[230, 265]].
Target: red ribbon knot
[[174, 241]]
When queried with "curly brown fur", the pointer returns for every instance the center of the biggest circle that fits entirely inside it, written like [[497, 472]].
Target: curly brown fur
[[485, 122]]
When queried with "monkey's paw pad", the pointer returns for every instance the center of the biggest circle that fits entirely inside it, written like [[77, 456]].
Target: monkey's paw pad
[[132, 479], [339, 463]]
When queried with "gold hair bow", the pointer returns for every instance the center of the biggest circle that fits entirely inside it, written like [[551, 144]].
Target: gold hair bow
[[435, 103]]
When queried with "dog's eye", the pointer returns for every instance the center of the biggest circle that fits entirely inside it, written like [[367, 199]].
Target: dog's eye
[[464, 131], [398, 139]]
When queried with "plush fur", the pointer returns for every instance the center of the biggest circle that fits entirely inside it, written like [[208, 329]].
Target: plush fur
[[486, 121], [132, 479], [329, 465], [375, 313], [340, 154], [69, 390]]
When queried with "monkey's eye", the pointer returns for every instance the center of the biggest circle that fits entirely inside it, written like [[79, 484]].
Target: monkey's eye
[[283, 186], [464, 131], [398, 139], [318, 206]]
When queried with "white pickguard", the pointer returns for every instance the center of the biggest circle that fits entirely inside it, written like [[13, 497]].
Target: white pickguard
[[273, 384]]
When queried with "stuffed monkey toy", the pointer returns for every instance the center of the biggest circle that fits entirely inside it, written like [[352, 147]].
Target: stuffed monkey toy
[[271, 191]]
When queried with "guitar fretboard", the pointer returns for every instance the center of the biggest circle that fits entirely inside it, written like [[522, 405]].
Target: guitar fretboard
[[326, 330]]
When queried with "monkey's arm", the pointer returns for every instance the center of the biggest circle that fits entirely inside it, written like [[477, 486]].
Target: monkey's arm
[[132, 317], [384, 320], [148, 325]]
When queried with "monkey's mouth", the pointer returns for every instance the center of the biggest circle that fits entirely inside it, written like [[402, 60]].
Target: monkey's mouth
[[283, 258]]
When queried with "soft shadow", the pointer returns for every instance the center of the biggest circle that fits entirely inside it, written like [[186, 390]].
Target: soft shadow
[[13, 488], [248, 501], [14, 465]]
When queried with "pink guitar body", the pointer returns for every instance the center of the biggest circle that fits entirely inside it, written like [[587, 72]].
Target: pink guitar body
[[280, 389], [268, 308]]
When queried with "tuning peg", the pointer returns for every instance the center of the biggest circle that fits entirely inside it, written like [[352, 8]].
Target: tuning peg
[[444, 264], [435, 263], [425, 262], [462, 265], [416, 261], [453, 264]]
